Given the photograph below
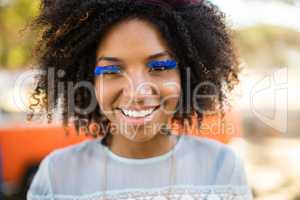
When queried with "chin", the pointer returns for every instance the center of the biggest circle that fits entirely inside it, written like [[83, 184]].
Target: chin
[[139, 137]]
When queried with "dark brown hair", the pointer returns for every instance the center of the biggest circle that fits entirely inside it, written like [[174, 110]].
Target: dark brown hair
[[71, 30]]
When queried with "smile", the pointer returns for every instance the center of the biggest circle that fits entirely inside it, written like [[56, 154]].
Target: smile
[[138, 113], [135, 113], [138, 117]]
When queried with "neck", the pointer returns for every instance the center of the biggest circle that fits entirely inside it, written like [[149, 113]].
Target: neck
[[158, 145]]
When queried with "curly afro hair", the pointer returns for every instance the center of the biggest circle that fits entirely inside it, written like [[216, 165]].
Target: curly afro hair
[[71, 30]]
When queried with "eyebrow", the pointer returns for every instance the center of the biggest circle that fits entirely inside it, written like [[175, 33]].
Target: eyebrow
[[164, 53], [115, 59]]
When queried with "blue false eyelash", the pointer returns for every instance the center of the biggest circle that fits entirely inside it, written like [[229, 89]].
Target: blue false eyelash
[[99, 70], [168, 64]]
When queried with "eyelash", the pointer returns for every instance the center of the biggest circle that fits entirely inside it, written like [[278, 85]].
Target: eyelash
[[102, 70], [163, 65], [153, 65]]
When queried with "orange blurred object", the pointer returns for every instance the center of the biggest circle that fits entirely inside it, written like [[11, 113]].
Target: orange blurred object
[[24, 147], [214, 126]]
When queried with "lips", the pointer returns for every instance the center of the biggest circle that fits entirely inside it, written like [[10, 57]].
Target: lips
[[138, 120], [138, 113], [138, 108]]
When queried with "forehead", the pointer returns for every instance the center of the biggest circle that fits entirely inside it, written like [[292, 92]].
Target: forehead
[[133, 35]]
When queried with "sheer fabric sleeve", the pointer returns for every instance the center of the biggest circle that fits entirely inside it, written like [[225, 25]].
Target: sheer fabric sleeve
[[229, 169], [41, 186], [231, 172], [238, 176]]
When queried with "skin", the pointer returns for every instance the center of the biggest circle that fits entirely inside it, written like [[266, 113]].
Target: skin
[[132, 43]]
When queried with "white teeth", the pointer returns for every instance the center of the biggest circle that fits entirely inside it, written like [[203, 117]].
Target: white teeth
[[133, 113]]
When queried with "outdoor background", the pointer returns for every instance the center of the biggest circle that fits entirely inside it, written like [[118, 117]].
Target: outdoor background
[[266, 104]]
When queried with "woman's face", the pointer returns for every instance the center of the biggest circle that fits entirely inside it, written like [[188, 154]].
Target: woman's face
[[137, 98]]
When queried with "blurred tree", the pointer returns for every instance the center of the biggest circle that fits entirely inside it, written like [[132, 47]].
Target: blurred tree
[[15, 41], [292, 2], [267, 46]]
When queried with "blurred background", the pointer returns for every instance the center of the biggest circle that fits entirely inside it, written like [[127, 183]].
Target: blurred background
[[266, 104]]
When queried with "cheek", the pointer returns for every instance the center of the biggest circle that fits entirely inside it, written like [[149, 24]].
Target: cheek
[[170, 92], [105, 93]]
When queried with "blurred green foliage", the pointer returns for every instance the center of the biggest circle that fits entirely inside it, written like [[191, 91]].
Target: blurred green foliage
[[16, 39], [267, 45], [292, 2], [261, 43]]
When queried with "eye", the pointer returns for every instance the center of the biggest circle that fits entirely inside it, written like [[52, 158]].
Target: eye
[[102, 70], [162, 65]]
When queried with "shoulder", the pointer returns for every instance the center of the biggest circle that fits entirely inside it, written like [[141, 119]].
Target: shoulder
[[72, 159], [207, 146], [75, 153], [70, 164], [218, 158], [63, 167]]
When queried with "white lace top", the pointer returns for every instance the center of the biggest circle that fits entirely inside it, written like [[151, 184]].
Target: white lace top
[[205, 169]]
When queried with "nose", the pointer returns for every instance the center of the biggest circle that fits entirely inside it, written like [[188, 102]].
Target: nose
[[139, 88]]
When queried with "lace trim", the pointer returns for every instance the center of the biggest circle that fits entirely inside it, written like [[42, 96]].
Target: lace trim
[[177, 193]]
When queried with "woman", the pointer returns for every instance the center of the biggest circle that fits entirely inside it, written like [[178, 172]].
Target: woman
[[128, 68]]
